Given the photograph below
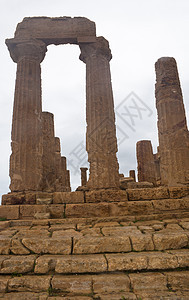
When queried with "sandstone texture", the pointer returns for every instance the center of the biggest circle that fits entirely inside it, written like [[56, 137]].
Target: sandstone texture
[[172, 127]]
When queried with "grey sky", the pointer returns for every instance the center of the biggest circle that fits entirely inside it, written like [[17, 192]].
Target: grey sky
[[139, 32]]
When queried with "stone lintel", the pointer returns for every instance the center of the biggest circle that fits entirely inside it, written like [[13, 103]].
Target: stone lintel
[[55, 28]]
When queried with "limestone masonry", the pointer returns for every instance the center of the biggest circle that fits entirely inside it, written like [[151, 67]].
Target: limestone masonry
[[113, 238]]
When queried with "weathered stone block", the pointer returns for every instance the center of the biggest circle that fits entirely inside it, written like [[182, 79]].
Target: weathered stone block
[[45, 263], [3, 283], [166, 205], [142, 242], [50, 245], [17, 264], [4, 245], [28, 283], [26, 296], [13, 199], [178, 192], [58, 234], [140, 207], [64, 28], [18, 248], [106, 196], [160, 261], [120, 231], [139, 185], [56, 211], [170, 240], [148, 193], [45, 201], [184, 203], [108, 283], [27, 211], [4, 224], [126, 262], [117, 296], [148, 281], [101, 244], [182, 257], [81, 264], [68, 197], [76, 284], [10, 212], [96, 209], [178, 280]]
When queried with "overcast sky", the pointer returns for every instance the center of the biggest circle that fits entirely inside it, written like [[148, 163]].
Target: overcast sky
[[139, 32]]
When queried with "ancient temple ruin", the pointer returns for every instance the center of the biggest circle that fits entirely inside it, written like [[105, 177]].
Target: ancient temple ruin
[[35, 164], [113, 238]]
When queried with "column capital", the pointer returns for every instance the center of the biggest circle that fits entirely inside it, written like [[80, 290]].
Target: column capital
[[98, 48], [30, 48]]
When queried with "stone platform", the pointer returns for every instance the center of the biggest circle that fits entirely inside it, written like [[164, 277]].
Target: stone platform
[[108, 244]]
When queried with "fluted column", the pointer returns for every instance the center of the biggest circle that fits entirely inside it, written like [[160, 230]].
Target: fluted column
[[101, 142], [145, 161], [172, 127], [26, 157], [48, 157]]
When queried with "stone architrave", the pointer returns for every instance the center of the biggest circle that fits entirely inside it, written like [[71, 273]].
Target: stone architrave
[[27, 145], [172, 126], [101, 131], [145, 160], [83, 176]]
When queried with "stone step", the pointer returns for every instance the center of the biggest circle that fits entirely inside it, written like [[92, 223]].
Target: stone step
[[77, 238], [103, 195], [162, 208], [151, 285], [94, 263]]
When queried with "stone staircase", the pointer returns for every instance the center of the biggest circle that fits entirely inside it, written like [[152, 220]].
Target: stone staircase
[[108, 244]]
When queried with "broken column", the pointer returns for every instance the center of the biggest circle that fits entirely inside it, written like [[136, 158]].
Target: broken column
[[48, 158], [26, 157], [145, 161], [101, 142], [172, 127], [62, 174], [132, 174], [83, 176]]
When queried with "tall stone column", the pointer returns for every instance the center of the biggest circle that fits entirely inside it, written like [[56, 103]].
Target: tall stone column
[[172, 127], [48, 157], [101, 142], [26, 157], [145, 161]]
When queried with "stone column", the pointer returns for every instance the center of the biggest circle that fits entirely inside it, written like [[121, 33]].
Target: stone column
[[145, 161], [132, 174], [172, 127], [101, 142], [48, 158], [62, 174], [83, 176], [26, 157], [65, 175]]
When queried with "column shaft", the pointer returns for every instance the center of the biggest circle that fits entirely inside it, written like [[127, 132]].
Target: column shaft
[[172, 127], [101, 132], [145, 160], [25, 163]]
